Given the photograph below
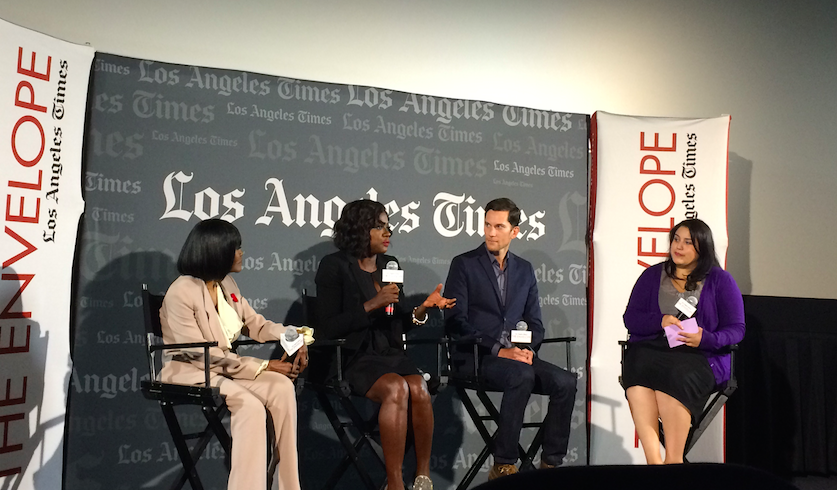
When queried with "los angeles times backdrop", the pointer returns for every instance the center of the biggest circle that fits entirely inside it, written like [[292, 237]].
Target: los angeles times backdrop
[[169, 145]]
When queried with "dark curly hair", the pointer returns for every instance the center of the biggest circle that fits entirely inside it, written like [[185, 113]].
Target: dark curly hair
[[351, 231], [704, 246], [209, 250]]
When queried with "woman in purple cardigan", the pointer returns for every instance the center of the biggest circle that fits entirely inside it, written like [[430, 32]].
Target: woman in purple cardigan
[[674, 384]]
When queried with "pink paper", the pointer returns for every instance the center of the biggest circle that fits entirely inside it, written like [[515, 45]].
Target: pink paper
[[673, 332]]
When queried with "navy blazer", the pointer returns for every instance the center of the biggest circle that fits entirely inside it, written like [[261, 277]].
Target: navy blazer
[[478, 311]]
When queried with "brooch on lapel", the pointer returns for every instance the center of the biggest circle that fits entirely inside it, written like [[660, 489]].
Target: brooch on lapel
[[235, 300]]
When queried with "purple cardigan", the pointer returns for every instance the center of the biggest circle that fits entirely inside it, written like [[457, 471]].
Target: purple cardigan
[[720, 313]]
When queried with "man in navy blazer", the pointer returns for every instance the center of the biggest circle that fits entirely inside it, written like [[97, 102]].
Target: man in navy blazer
[[494, 290]]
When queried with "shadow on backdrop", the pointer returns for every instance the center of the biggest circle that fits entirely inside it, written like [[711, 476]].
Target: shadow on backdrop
[[738, 221], [23, 364], [116, 438], [606, 437]]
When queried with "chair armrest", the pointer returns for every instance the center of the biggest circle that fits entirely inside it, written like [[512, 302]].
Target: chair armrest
[[558, 339], [732, 383], [153, 347], [248, 341], [465, 341], [187, 345], [565, 340], [329, 343], [338, 345], [442, 341], [475, 341]]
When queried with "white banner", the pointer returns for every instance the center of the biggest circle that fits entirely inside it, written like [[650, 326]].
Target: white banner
[[43, 98], [647, 174]]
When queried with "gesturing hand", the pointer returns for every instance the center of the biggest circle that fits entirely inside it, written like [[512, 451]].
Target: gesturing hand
[[388, 294], [438, 301]]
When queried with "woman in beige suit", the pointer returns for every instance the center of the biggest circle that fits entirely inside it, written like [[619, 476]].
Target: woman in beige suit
[[205, 304]]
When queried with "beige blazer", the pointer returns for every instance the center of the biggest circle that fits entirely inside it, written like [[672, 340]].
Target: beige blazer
[[188, 315]]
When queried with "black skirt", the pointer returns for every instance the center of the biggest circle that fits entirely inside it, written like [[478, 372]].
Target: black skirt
[[367, 367], [681, 372]]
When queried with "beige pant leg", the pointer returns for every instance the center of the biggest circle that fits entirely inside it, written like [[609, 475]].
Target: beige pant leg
[[276, 392], [248, 427]]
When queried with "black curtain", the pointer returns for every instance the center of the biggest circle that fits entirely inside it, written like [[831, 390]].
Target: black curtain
[[783, 418]]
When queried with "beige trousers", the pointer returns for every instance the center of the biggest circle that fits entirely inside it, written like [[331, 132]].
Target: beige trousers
[[247, 400]]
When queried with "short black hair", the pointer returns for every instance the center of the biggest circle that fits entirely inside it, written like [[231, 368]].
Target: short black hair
[[505, 204], [209, 250], [704, 246], [351, 231]]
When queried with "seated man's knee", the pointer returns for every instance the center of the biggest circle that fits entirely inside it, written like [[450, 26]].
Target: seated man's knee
[[565, 381], [523, 376]]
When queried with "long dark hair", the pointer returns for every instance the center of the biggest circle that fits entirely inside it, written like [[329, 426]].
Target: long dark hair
[[209, 250], [704, 246], [351, 231]]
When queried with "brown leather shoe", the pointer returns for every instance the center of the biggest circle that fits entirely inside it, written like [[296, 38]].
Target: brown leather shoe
[[499, 470], [545, 466]]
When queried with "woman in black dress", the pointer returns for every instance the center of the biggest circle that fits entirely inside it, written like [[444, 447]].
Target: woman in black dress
[[351, 299]]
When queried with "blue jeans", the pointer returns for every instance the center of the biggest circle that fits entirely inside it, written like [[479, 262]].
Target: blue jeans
[[518, 381]]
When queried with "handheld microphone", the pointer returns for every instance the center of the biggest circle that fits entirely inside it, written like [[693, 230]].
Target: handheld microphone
[[291, 341], [521, 336], [686, 307], [392, 274]]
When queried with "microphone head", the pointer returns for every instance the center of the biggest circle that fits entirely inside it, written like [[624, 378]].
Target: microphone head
[[392, 265], [521, 325], [692, 300], [291, 334]]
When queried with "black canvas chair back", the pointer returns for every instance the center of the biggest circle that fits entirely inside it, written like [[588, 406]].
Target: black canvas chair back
[[170, 395], [463, 373], [713, 405], [152, 303], [354, 431]]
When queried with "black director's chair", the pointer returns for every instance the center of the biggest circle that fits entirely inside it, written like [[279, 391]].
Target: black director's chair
[[354, 431], [470, 381], [170, 395], [713, 405]]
